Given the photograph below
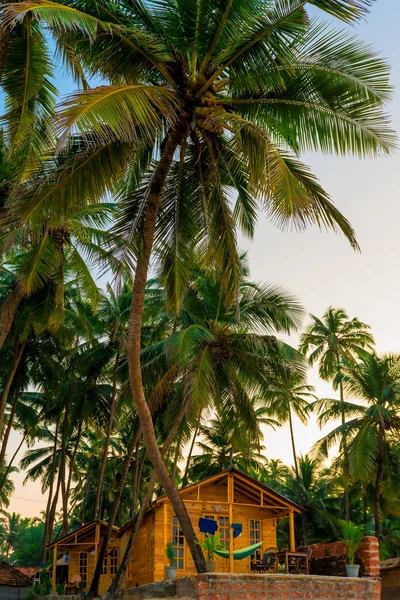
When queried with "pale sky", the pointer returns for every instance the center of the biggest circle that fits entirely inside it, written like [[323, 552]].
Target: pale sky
[[319, 267]]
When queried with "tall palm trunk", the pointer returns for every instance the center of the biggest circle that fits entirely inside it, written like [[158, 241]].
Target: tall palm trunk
[[17, 355], [189, 458], [46, 536], [13, 301], [378, 482], [94, 586], [112, 592], [63, 466], [10, 464], [72, 459], [134, 343], [99, 489], [176, 457], [345, 450], [11, 417], [298, 481]]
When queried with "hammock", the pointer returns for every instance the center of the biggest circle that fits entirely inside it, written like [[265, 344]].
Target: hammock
[[239, 554]]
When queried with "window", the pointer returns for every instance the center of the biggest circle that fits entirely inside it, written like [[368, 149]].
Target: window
[[223, 529], [104, 566], [150, 545], [113, 561], [178, 543], [83, 562], [255, 537]]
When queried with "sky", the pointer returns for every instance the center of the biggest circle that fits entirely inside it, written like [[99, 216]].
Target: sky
[[320, 268]]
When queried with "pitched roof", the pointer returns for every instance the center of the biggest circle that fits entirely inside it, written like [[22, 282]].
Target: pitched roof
[[238, 473], [10, 576], [29, 571], [70, 536]]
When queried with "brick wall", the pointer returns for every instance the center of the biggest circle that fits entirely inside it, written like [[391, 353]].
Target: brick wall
[[331, 558], [258, 587], [276, 587]]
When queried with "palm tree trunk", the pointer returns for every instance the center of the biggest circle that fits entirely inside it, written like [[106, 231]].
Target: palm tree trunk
[[17, 355], [112, 592], [189, 458], [345, 450], [13, 301], [53, 510], [94, 586], [378, 483], [298, 481], [176, 457], [11, 418], [99, 489], [51, 487], [11, 462], [72, 459], [63, 466], [134, 345]]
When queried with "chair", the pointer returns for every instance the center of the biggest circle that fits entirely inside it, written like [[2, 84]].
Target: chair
[[303, 563], [268, 562]]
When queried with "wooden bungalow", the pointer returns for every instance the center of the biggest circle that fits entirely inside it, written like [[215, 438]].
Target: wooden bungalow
[[229, 498], [75, 556]]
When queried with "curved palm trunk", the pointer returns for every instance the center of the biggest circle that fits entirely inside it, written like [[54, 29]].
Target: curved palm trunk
[[17, 355], [11, 418], [99, 490], [13, 301], [298, 481], [94, 587], [112, 592], [134, 342], [378, 483]]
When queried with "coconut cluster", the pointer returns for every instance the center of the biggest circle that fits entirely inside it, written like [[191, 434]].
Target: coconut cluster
[[206, 109]]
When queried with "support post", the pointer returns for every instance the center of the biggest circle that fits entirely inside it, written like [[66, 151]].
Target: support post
[[230, 500], [291, 531], [96, 543], [166, 540], [54, 574]]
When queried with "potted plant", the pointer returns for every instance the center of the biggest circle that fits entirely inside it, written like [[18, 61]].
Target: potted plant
[[352, 535], [210, 545], [60, 589], [171, 569]]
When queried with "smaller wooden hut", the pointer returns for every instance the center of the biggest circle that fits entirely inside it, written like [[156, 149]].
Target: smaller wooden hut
[[75, 556], [243, 510]]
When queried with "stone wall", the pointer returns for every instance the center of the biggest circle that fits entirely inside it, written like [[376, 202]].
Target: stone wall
[[259, 587], [331, 558]]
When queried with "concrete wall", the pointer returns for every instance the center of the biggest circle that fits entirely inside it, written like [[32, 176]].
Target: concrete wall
[[259, 587], [13, 593]]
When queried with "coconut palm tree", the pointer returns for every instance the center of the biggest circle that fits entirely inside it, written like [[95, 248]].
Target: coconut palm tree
[[204, 99], [290, 395], [330, 341], [373, 426]]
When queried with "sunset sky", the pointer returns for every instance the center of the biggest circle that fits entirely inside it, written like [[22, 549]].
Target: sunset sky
[[319, 267]]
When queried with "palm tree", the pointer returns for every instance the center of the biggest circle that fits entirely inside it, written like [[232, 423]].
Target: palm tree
[[373, 425], [330, 341], [290, 395], [237, 91]]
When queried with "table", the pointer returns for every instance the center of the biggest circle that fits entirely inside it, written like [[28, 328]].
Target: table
[[295, 562]]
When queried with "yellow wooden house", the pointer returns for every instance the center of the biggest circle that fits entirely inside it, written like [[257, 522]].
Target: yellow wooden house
[[229, 498], [75, 556]]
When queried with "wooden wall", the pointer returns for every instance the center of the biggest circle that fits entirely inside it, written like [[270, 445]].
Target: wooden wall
[[73, 565]]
